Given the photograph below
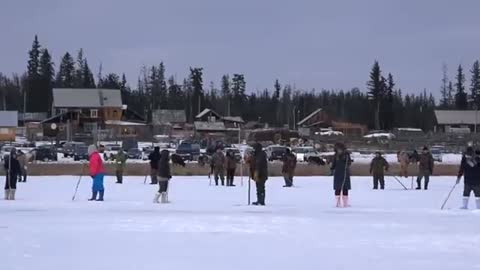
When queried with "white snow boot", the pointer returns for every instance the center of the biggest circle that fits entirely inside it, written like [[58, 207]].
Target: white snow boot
[[164, 197], [156, 198], [345, 201], [12, 194], [478, 203], [7, 194]]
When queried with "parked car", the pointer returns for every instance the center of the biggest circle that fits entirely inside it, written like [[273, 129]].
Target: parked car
[[112, 147], [45, 153], [81, 153], [437, 153], [303, 153], [146, 153], [134, 153], [5, 151], [275, 152], [188, 151], [68, 148]]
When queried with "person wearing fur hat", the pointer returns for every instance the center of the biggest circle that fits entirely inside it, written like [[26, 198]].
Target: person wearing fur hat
[[341, 174], [97, 173], [425, 167], [13, 170], [470, 170], [259, 167]]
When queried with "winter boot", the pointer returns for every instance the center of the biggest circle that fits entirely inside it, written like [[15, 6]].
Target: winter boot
[[426, 185], [464, 203], [337, 198], [100, 197], [419, 185], [12, 194], [478, 203], [7, 194], [94, 196], [164, 197], [156, 198], [345, 201]]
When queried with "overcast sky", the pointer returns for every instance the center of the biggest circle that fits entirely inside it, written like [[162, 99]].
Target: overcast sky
[[309, 44]]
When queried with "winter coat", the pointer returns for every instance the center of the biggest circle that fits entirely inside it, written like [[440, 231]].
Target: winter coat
[[14, 165], [260, 163], [425, 163], [341, 171], [164, 165], [218, 161], [470, 170], [95, 164], [120, 160], [378, 166], [403, 158], [231, 162], [249, 160], [154, 158], [289, 163], [22, 159]]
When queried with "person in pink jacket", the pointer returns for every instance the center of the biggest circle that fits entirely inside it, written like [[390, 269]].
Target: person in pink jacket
[[97, 173]]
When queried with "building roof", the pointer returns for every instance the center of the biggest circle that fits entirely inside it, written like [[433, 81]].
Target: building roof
[[8, 118], [35, 116], [86, 98], [162, 117], [235, 119], [123, 123], [304, 120], [207, 111], [209, 126], [445, 117]]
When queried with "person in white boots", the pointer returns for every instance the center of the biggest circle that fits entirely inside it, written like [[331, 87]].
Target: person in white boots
[[341, 174], [470, 170], [164, 177], [13, 170]]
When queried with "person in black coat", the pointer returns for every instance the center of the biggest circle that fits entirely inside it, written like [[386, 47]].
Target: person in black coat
[[164, 176], [470, 170], [154, 158], [341, 174], [13, 170], [260, 172]]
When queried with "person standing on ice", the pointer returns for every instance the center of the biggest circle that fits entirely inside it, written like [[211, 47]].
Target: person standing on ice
[[120, 160], [470, 170], [341, 174], [154, 158], [404, 160], [288, 168], [378, 166], [260, 172], [13, 170], [425, 167], [164, 177], [97, 173], [218, 164], [22, 159], [231, 167]]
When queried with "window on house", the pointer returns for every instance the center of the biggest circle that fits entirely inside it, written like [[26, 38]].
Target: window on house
[[93, 113], [62, 111], [115, 113]]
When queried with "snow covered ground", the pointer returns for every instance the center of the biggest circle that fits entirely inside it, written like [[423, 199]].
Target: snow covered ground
[[212, 228]]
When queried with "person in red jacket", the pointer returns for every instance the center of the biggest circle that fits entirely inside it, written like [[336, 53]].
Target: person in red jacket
[[97, 173]]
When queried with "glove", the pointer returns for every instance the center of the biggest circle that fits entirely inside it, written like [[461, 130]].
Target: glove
[[458, 180], [169, 177]]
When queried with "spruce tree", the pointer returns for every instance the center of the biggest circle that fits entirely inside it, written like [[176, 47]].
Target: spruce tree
[[33, 92], [66, 73], [445, 101], [461, 102], [475, 84], [79, 70], [87, 75], [196, 80], [238, 91], [376, 87], [226, 95], [47, 76]]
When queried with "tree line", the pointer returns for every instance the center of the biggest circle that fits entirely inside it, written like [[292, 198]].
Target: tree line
[[382, 105]]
